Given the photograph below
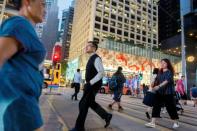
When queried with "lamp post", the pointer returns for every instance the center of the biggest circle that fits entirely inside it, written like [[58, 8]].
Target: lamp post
[[183, 56]]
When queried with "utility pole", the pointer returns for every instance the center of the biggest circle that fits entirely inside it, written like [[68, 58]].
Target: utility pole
[[183, 56]]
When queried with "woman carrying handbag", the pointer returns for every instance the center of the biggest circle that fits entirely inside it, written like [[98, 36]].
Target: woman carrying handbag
[[150, 95]]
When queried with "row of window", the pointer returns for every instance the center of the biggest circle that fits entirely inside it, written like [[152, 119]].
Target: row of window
[[124, 20], [126, 10], [127, 2], [119, 30], [126, 34]]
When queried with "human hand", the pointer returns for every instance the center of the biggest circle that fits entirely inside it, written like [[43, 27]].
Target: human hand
[[156, 88], [87, 86]]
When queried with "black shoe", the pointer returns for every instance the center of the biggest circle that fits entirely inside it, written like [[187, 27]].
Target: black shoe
[[147, 115], [120, 108], [108, 120], [110, 107]]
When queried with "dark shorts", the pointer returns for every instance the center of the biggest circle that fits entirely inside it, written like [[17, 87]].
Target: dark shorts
[[117, 96]]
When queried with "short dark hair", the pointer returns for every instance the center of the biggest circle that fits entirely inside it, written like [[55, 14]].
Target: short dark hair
[[94, 43], [17, 4], [78, 70], [182, 76]]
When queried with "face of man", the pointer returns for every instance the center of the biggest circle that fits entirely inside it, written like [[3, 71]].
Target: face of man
[[35, 9], [90, 48]]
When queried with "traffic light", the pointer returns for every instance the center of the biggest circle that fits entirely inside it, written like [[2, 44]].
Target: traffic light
[[56, 58]]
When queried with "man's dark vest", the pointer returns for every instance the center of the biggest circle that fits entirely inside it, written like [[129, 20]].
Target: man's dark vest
[[91, 71]]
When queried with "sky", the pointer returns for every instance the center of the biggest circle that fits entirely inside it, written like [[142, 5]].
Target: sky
[[63, 4]]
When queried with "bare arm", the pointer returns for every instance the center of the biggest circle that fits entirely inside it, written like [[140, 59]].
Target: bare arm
[[8, 47]]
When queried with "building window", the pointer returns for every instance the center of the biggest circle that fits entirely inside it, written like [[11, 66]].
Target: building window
[[105, 28], [126, 34], [132, 29], [113, 16], [143, 38], [97, 26], [138, 31], [114, 3], [105, 21], [138, 37], [127, 2], [126, 21], [113, 23], [138, 18], [119, 32], [106, 14], [126, 8], [144, 32], [98, 19], [119, 25], [120, 19], [131, 35], [132, 17], [149, 40], [132, 22], [154, 42], [139, 1], [112, 30]]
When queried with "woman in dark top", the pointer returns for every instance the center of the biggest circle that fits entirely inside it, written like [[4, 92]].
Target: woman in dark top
[[120, 79], [165, 94]]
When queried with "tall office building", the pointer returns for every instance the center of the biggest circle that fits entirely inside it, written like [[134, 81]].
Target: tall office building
[[169, 19], [50, 28], [66, 28], [40, 26], [124, 20]]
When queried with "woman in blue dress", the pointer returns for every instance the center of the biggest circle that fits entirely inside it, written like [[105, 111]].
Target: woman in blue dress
[[21, 58]]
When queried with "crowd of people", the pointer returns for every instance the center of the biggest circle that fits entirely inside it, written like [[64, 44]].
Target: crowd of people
[[21, 52]]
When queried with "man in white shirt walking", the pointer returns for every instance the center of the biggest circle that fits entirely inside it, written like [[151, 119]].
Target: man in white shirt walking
[[93, 77], [76, 81]]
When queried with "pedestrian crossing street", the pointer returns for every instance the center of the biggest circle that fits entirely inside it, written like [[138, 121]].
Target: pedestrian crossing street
[[133, 116]]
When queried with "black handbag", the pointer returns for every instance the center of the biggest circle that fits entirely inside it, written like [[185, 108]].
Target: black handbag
[[72, 85], [149, 98]]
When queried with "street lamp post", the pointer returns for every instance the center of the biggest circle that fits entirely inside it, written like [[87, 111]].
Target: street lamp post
[[183, 49]]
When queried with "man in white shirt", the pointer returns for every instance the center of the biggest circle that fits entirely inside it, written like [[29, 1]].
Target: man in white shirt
[[76, 81], [93, 77]]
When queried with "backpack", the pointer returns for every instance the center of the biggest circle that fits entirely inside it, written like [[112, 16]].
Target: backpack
[[113, 83]]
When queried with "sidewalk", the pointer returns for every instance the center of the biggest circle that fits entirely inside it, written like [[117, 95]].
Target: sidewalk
[[52, 121]]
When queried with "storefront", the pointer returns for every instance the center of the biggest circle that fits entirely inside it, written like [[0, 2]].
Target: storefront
[[133, 59]]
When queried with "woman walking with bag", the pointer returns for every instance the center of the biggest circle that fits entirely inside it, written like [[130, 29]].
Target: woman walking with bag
[[149, 98], [120, 79], [165, 94]]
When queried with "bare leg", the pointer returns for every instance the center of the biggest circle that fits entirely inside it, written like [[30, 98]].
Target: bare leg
[[113, 103]]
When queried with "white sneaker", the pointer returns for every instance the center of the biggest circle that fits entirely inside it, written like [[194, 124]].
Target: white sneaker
[[151, 125], [175, 125]]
